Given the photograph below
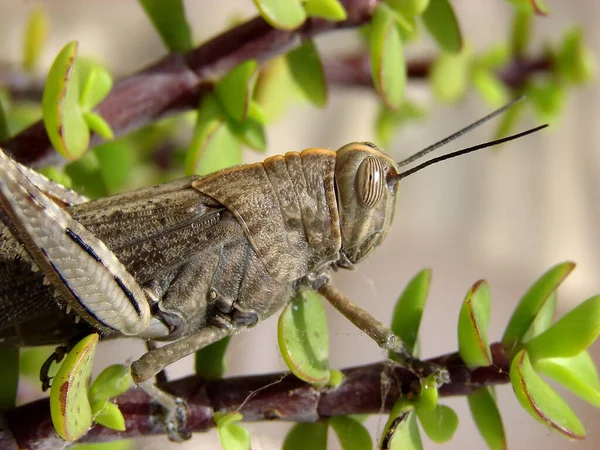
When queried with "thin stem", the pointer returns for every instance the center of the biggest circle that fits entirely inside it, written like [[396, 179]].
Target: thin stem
[[355, 70], [263, 397]]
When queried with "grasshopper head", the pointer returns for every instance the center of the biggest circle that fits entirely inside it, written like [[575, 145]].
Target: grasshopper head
[[367, 182], [366, 185]]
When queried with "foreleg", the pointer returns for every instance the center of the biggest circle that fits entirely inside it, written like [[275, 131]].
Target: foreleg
[[382, 335]]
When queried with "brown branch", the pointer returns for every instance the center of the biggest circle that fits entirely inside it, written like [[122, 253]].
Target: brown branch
[[178, 81], [355, 70], [264, 397], [349, 70]]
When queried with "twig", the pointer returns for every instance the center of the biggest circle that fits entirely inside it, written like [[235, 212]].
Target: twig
[[264, 397], [355, 70]]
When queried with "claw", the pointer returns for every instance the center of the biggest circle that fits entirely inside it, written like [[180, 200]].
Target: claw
[[422, 369], [173, 411], [176, 422]]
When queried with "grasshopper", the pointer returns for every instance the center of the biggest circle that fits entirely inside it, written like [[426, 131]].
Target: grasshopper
[[198, 259]]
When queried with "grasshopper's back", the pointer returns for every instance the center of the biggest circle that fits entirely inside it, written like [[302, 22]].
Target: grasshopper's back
[[287, 206]]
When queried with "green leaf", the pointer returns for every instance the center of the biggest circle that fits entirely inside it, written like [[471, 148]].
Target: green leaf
[[63, 118], [9, 377], [112, 382], [303, 337], [336, 377], [210, 118], [473, 322], [521, 32], [97, 85], [388, 67], [251, 133], [401, 431], [221, 151], [575, 61], [543, 320], [427, 400], [490, 87], [407, 27], [389, 121], [210, 362], [69, 405], [275, 88], [532, 302], [494, 58], [488, 420], [97, 124], [235, 89], [213, 146], [87, 177], [36, 34], [326, 9], [408, 8], [116, 160], [304, 436], [4, 126], [409, 310], [169, 20], [547, 98], [20, 116], [232, 435], [56, 174], [108, 414], [351, 433], [286, 15], [440, 20], [32, 358], [256, 113], [538, 7], [541, 401], [449, 75], [577, 373], [509, 119], [307, 71], [439, 424], [572, 334]]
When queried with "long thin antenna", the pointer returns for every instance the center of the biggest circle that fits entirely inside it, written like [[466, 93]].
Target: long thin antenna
[[459, 133], [467, 150]]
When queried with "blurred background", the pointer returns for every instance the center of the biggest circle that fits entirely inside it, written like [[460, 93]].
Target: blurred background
[[505, 215]]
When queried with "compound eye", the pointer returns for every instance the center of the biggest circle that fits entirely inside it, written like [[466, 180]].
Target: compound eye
[[370, 182]]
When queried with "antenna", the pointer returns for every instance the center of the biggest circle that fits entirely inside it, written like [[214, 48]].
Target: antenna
[[467, 150], [459, 133]]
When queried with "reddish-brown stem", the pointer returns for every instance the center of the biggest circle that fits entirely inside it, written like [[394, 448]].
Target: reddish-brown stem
[[355, 70], [263, 397]]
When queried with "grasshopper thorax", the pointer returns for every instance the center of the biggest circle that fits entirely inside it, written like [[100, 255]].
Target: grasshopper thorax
[[366, 187]]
